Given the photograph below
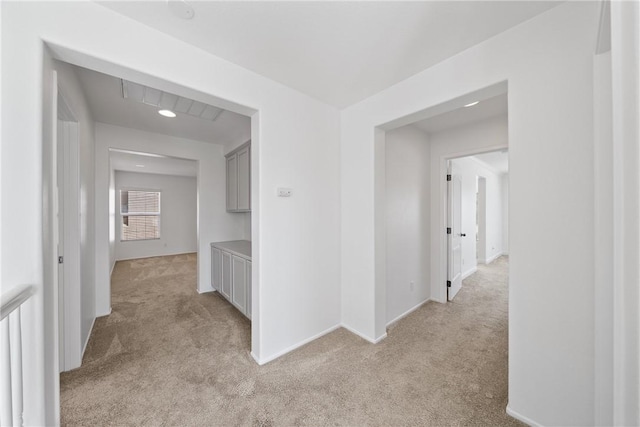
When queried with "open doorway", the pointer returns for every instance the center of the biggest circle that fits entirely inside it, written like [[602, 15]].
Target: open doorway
[[477, 194], [120, 155], [432, 165], [413, 156]]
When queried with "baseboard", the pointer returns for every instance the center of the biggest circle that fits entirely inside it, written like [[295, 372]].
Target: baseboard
[[207, 291], [493, 258], [112, 267], [103, 314], [408, 312], [469, 272], [84, 347], [293, 347], [156, 256], [372, 341], [522, 418]]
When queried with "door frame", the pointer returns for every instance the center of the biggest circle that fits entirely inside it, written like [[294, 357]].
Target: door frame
[[69, 292], [440, 272]]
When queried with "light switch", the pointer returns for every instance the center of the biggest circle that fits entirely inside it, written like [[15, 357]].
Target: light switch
[[284, 192]]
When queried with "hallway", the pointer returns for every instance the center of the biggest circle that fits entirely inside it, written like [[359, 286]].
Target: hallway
[[170, 356]]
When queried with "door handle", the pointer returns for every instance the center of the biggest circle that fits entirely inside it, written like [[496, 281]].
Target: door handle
[[463, 235]]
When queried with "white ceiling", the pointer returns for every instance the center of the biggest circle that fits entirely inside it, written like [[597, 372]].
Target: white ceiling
[[337, 52], [496, 160], [152, 163], [104, 95], [485, 109]]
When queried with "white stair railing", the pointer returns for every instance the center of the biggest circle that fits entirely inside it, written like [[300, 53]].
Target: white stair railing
[[11, 396]]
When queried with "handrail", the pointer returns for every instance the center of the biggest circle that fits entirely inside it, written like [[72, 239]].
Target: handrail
[[13, 298]]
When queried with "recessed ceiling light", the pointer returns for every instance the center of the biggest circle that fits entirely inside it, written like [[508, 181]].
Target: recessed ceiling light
[[139, 166], [166, 113], [472, 104]]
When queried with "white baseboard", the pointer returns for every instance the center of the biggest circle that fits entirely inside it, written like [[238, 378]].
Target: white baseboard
[[156, 256], [364, 337], [84, 347], [522, 418], [207, 291], [103, 314], [293, 347], [493, 258], [469, 272], [406, 313]]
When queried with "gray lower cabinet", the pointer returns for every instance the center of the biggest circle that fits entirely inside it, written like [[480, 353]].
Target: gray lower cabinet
[[231, 273], [227, 275]]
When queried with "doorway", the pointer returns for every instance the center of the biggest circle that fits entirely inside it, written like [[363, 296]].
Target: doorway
[[477, 199], [68, 209], [412, 265]]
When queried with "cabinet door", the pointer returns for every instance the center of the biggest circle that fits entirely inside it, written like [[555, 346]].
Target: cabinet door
[[239, 288], [244, 179], [216, 264], [227, 275], [249, 291], [232, 183]]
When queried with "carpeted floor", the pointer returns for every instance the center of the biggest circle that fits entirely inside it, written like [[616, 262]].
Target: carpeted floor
[[168, 356]]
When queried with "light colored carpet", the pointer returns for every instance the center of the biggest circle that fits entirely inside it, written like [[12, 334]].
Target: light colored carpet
[[168, 356]]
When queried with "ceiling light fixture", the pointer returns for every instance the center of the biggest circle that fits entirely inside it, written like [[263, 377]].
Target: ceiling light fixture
[[139, 166], [472, 104], [166, 113]]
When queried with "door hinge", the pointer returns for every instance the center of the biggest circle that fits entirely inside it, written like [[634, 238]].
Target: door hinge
[[448, 230], [448, 283], [60, 259], [448, 177]]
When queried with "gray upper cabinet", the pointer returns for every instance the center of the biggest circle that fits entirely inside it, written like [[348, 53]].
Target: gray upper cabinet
[[239, 179]]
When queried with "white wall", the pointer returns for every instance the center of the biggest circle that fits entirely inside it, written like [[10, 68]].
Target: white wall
[[407, 220], [214, 222], [547, 62], [71, 91], [295, 143], [178, 227], [505, 214], [469, 169]]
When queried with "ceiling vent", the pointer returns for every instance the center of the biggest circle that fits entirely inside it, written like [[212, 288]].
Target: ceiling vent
[[169, 101]]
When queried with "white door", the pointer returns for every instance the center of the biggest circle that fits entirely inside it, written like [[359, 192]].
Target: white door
[[454, 234], [60, 140]]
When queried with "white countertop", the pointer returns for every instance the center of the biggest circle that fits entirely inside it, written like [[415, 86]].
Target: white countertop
[[241, 248]]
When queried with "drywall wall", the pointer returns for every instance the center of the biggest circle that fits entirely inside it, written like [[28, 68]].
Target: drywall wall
[[469, 170], [505, 214], [295, 144], [407, 220], [178, 202], [547, 62], [214, 222], [71, 91]]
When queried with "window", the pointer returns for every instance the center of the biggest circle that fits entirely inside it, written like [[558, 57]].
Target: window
[[140, 211]]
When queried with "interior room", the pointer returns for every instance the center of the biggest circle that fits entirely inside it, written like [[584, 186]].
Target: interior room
[[158, 173], [320, 87]]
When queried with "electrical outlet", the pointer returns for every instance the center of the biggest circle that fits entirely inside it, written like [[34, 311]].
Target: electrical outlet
[[411, 286]]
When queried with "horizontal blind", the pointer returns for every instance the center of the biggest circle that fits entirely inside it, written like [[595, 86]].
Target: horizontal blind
[[140, 214]]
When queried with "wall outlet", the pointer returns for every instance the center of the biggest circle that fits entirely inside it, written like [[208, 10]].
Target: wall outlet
[[411, 286], [285, 192]]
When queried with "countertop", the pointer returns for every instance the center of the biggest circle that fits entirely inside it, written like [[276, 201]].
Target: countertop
[[241, 248]]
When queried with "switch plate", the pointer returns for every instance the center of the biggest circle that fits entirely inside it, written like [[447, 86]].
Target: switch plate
[[285, 192]]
